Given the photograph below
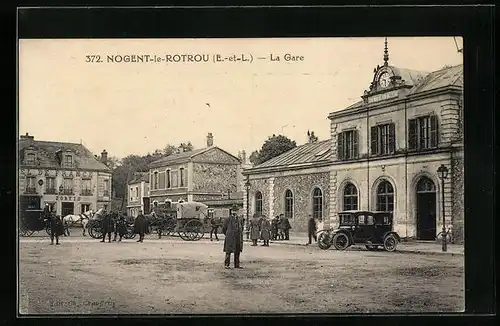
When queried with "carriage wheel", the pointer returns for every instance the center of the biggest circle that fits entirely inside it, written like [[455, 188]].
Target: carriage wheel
[[193, 230], [169, 227], [95, 232], [24, 232], [47, 229]]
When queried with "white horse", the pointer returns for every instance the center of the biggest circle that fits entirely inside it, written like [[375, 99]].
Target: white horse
[[83, 218]]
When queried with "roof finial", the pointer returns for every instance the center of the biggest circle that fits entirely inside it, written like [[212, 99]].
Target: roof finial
[[386, 53]]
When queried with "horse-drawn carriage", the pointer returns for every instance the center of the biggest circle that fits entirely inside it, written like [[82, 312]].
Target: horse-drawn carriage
[[94, 225], [33, 220], [184, 218]]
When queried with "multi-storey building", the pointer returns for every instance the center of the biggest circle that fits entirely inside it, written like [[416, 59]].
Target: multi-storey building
[[209, 175], [66, 176], [383, 155], [138, 194]]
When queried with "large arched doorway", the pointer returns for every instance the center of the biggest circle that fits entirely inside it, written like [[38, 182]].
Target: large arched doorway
[[426, 209]]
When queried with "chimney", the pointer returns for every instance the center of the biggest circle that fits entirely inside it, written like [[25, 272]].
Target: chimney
[[210, 140], [27, 136], [243, 157], [104, 157], [311, 137], [181, 149]]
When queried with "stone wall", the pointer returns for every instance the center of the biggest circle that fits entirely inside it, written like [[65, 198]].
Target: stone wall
[[302, 188], [261, 185], [457, 177], [214, 177]]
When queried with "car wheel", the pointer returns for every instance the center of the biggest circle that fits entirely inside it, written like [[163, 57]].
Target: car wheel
[[340, 241], [390, 243], [324, 241]]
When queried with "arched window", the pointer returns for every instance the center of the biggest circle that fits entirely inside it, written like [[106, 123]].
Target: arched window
[[385, 197], [288, 204], [258, 203], [350, 197], [425, 185], [317, 203]]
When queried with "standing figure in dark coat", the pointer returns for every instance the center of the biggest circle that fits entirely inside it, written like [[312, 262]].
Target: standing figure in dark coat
[[311, 230], [265, 230], [255, 229], [233, 242], [107, 227], [56, 229], [140, 226], [274, 228], [120, 227], [285, 226], [46, 211], [214, 224]]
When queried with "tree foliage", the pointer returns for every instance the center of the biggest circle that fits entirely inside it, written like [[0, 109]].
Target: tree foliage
[[272, 147], [123, 169]]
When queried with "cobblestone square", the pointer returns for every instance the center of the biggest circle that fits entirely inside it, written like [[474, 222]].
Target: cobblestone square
[[170, 276]]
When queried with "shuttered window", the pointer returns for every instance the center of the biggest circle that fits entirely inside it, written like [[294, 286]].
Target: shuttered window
[[168, 179], [347, 145], [383, 139], [423, 133], [161, 183]]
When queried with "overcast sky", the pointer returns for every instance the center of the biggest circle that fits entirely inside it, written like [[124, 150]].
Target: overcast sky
[[135, 108]]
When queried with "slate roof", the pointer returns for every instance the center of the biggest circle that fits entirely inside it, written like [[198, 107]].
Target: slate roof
[[308, 153], [411, 77], [184, 156], [140, 177], [173, 158], [46, 154], [424, 81], [451, 76]]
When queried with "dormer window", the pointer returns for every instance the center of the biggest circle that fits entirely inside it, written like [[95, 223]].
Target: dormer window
[[68, 160], [30, 159]]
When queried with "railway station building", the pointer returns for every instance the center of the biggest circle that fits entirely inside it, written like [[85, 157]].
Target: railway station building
[[383, 155]]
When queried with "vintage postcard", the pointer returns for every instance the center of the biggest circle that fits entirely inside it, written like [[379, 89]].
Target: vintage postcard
[[229, 176]]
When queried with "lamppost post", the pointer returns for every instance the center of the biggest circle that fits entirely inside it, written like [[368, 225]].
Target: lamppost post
[[443, 174], [247, 186]]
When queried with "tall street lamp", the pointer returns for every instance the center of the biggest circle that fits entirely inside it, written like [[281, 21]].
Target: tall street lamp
[[247, 186], [443, 174]]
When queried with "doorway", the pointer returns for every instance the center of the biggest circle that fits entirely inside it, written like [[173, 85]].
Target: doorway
[[67, 208], [426, 209], [145, 202]]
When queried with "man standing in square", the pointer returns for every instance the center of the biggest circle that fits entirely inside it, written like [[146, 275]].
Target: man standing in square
[[233, 242]]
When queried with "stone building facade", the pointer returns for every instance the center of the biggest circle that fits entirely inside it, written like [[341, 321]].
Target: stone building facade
[[295, 184], [138, 194], [66, 176], [209, 175], [385, 152]]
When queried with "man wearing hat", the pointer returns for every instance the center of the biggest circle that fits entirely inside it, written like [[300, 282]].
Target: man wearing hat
[[233, 242]]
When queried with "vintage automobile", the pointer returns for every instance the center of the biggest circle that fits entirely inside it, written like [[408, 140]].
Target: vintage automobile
[[373, 229]]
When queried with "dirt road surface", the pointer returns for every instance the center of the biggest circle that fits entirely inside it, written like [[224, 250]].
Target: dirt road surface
[[177, 277]]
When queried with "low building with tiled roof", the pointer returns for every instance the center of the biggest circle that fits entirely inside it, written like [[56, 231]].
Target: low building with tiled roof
[[209, 175], [138, 194], [383, 155], [66, 176]]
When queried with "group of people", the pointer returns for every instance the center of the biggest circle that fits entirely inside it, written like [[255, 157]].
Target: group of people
[[261, 228], [117, 224]]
